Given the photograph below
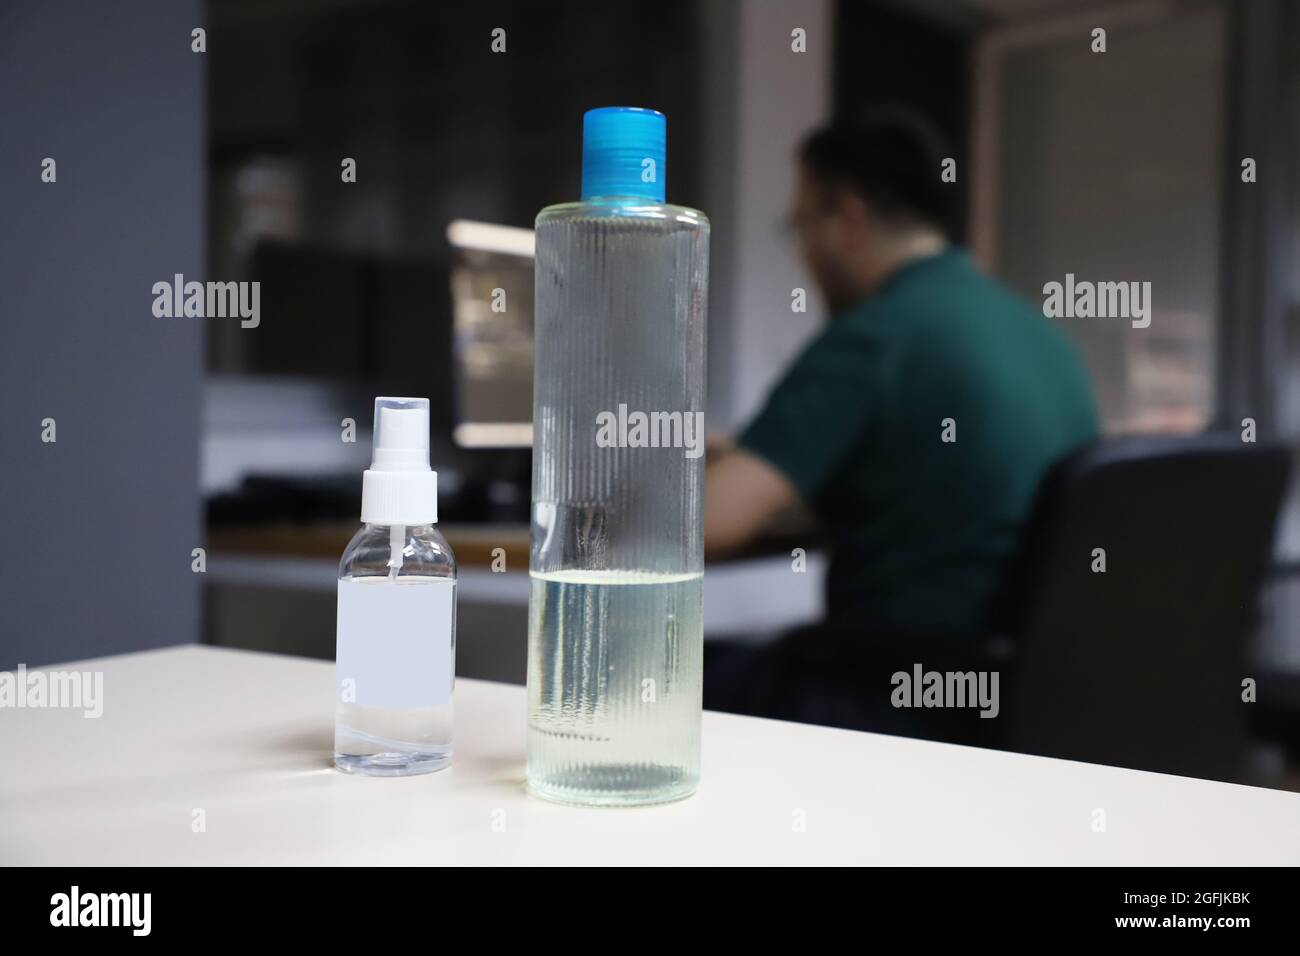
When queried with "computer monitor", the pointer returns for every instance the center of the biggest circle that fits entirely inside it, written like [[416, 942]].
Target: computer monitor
[[492, 321]]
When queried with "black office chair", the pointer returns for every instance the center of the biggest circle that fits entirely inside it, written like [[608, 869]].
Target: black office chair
[[1141, 665]]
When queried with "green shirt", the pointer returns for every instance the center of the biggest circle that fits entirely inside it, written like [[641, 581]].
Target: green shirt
[[920, 527]]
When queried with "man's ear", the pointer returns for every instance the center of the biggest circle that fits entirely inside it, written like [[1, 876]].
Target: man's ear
[[855, 210]]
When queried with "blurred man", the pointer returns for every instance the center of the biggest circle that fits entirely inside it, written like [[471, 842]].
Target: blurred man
[[917, 424]]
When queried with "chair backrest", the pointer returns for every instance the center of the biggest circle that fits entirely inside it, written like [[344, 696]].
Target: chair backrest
[[1141, 665]]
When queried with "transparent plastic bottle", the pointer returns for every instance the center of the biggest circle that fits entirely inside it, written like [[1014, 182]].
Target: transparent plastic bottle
[[617, 560], [396, 651]]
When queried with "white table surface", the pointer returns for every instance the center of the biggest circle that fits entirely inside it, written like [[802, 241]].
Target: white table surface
[[247, 738]]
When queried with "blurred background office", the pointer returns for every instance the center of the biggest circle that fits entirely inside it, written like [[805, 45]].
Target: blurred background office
[[461, 121]]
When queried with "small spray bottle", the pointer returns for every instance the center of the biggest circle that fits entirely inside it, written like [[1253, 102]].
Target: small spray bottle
[[395, 660]]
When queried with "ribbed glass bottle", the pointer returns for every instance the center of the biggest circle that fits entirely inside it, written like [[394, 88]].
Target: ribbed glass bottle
[[617, 561]]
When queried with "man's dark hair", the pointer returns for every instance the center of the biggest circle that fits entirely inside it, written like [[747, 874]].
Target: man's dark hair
[[891, 158]]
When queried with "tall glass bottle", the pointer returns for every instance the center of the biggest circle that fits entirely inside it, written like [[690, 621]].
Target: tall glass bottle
[[617, 561]]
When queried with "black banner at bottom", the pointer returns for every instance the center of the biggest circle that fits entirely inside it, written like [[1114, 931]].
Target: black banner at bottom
[[209, 905]]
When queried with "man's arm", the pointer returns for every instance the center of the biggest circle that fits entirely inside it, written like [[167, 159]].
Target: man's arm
[[742, 494]]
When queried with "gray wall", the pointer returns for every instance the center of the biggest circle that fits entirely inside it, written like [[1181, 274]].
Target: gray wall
[[762, 99], [99, 525]]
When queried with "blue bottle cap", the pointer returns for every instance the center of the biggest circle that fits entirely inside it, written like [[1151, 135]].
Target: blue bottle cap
[[624, 152]]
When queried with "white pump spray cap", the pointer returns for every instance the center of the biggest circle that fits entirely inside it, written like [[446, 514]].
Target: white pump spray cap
[[399, 487]]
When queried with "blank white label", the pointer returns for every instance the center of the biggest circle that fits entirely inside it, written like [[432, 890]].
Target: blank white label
[[394, 642]]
